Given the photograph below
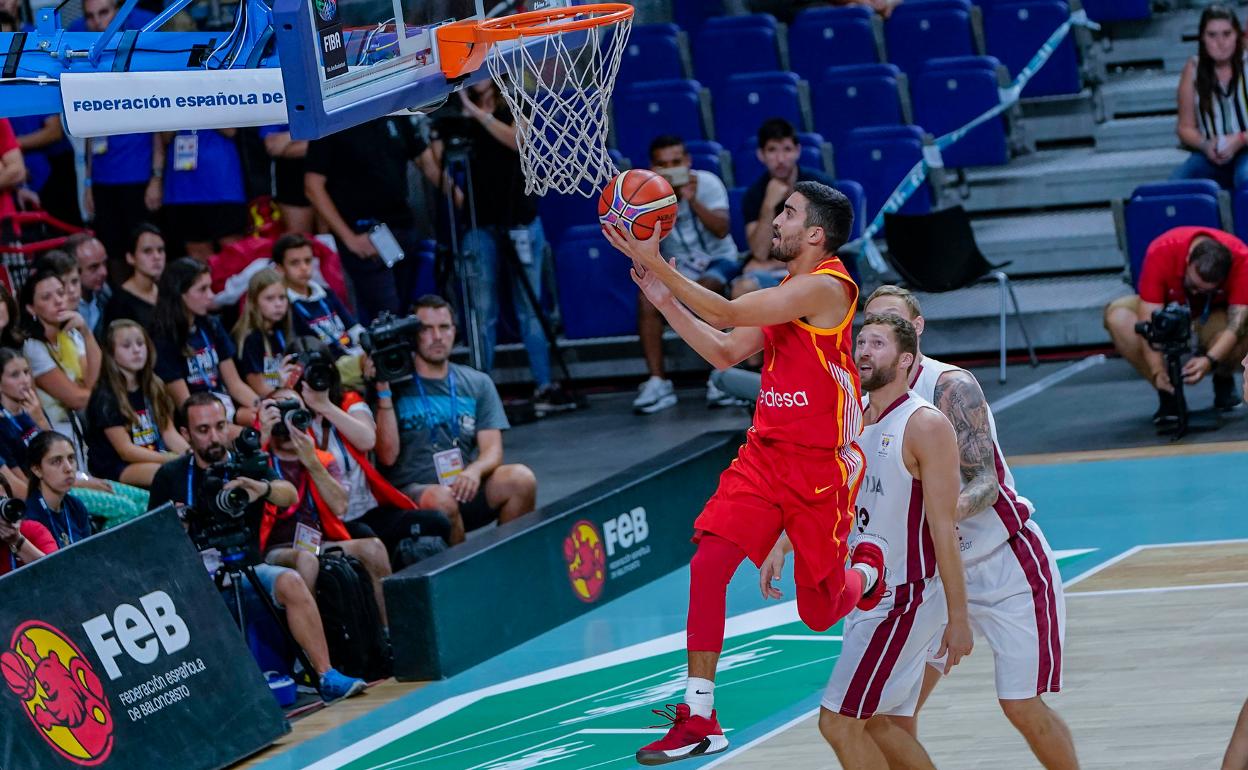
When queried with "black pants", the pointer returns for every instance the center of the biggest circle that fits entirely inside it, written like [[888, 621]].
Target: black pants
[[394, 525], [378, 287], [119, 209], [59, 196]]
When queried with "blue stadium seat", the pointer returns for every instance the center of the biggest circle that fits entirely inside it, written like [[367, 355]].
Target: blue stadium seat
[[690, 15], [1015, 31], [1148, 216], [745, 101], [562, 212], [1177, 187], [654, 107], [931, 29], [854, 96], [746, 167], [737, 218], [1239, 212], [732, 45], [858, 199], [946, 97], [878, 158], [654, 52], [597, 298], [824, 37], [706, 156], [1117, 10]]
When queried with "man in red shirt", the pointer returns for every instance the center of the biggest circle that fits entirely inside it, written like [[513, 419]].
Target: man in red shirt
[[1206, 270], [12, 168]]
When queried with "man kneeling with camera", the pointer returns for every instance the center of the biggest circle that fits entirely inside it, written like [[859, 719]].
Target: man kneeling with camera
[[439, 425], [1206, 271], [210, 484]]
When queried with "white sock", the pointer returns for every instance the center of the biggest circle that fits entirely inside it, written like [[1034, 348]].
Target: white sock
[[869, 576], [700, 696]]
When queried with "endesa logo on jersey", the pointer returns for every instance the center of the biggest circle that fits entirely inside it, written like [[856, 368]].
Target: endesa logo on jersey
[[772, 397], [63, 697]]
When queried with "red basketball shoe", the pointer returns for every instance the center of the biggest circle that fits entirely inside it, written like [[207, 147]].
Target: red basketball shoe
[[689, 736], [869, 553]]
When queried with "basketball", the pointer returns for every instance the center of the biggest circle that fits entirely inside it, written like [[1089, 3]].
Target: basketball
[[17, 676], [640, 199]]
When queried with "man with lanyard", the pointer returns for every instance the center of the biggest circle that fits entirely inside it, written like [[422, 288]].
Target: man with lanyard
[[201, 421], [1206, 270], [439, 436]]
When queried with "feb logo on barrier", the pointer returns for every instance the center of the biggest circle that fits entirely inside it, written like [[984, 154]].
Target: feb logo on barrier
[[587, 561], [60, 693]]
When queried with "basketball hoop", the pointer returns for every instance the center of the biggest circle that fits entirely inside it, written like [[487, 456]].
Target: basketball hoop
[[556, 69]]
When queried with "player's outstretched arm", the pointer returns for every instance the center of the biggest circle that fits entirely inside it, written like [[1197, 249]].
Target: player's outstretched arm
[[720, 349], [931, 440], [959, 397]]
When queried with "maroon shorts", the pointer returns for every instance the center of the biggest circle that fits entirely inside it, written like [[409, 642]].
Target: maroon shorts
[[774, 488]]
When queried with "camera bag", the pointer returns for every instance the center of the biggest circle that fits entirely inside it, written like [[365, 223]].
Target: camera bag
[[344, 595]]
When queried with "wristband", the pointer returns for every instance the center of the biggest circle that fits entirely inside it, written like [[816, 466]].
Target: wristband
[[268, 490], [15, 547], [383, 394], [1213, 362]]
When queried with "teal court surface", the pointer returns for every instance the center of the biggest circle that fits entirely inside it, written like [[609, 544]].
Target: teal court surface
[[580, 696]]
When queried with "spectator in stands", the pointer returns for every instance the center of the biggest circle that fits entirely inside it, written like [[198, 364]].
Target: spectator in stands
[[293, 536], [785, 10], [124, 186], [344, 427], [202, 421], [65, 265], [53, 471], [314, 311], [93, 276], [1206, 270], [136, 297], [506, 220], [13, 10], [1213, 103], [205, 204], [357, 180], [779, 150], [262, 332], [193, 352], [50, 165], [130, 430], [704, 252], [288, 168], [98, 14], [12, 168], [444, 446], [26, 541], [24, 418], [10, 318]]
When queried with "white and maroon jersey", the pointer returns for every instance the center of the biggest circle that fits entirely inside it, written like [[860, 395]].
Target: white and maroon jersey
[[890, 500], [980, 532]]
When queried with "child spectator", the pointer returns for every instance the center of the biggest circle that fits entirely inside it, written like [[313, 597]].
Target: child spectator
[[262, 332], [315, 311], [130, 416], [205, 204], [136, 297], [23, 416], [53, 469]]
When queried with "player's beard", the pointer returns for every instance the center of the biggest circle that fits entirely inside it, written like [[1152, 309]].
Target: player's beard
[[784, 251], [880, 376]]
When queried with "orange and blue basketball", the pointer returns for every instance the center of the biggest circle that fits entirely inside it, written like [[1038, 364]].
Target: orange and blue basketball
[[640, 200]]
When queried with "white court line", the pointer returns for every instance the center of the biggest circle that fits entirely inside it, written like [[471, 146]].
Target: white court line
[[1107, 563], [1045, 382], [1158, 589], [763, 738], [803, 638], [1197, 543]]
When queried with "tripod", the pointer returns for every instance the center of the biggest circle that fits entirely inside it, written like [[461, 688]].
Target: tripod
[[1183, 425], [458, 155]]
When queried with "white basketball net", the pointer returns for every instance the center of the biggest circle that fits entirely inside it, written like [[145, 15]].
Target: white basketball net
[[558, 86]]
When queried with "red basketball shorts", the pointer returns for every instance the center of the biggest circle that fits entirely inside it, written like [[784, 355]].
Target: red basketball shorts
[[772, 488]]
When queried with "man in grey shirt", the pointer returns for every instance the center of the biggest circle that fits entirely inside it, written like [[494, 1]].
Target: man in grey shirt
[[439, 435]]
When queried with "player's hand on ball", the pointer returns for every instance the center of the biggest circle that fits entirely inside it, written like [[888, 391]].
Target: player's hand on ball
[[956, 642], [645, 253], [770, 572]]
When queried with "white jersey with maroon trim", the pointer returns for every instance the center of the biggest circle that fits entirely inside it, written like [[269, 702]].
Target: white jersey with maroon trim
[[980, 532], [890, 500]]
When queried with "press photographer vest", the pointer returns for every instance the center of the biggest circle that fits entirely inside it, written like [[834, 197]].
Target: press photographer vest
[[332, 527]]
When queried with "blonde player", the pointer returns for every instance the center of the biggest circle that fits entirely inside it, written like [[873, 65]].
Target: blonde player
[[905, 505], [1013, 585]]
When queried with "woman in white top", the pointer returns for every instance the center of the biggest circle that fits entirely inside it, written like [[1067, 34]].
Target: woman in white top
[[1213, 103]]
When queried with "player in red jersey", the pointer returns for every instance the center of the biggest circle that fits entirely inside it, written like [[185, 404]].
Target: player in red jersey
[[799, 469]]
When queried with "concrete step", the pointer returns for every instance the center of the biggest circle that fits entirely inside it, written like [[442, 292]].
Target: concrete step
[[1075, 177], [1136, 133], [1060, 118], [1059, 242], [1149, 93], [1166, 40]]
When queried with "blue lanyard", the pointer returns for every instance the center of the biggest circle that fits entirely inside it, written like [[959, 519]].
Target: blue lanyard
[[66, 538], [321, 334], [281, 341], [427, 407], [190, 474], [21, 432]]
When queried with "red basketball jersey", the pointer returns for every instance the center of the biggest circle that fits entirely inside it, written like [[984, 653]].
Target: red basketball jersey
[[810, 394]]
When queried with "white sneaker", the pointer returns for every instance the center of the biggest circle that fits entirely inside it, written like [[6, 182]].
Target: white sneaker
[[655, 396], [716, 398]]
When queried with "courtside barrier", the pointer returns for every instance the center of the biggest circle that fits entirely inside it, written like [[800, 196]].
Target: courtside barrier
[[506, 586], [118, 652]]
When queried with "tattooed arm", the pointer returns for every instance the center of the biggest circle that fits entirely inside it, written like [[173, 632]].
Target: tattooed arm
[[958, 396], [1222, 346]]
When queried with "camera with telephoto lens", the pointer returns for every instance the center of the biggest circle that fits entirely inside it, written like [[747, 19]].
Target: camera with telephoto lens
[[318, 369], [299, 417], [1169, 330], [12, 509], [216, 515], [390, 341]]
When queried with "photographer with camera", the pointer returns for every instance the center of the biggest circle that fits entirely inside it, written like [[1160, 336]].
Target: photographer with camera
[[344, 426], [704, 252], [439, 427], [25, 538], [196, 481], [1205, 271], [295, 535]]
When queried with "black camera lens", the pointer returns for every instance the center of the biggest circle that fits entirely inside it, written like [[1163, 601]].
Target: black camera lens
[[301, 419], [12, 509], [318, 375], [248, 442], [233, 501]]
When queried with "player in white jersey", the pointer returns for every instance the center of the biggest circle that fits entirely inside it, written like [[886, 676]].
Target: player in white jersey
[[1013, 586], [905, 505]]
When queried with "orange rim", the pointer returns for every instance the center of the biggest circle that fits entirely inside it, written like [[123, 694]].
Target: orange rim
[[522, 24]]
